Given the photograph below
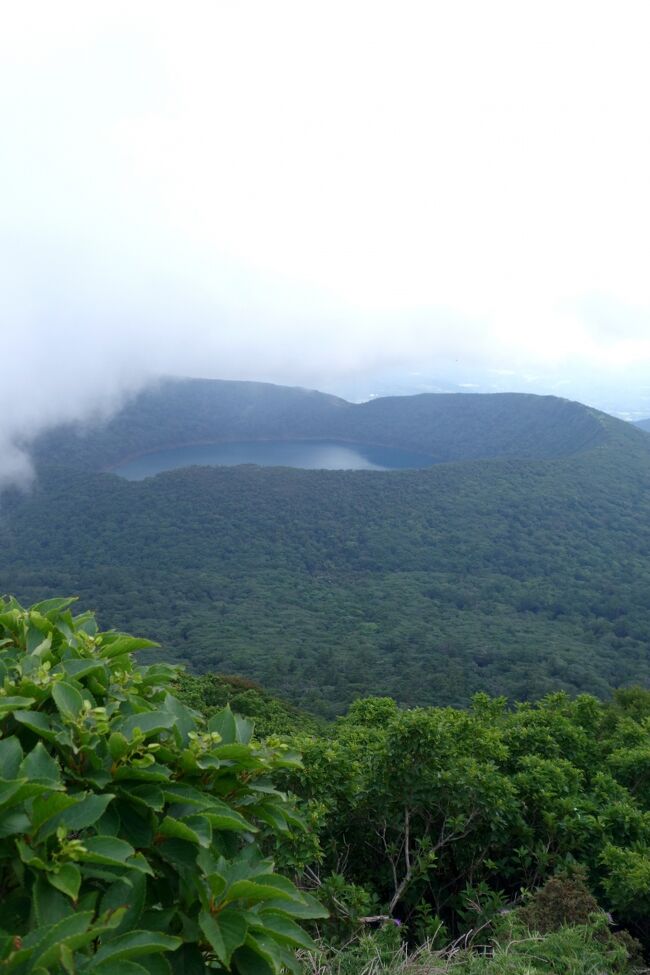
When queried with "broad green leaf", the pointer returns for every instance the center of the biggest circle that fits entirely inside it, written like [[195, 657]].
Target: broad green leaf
[[277, 956], [83, 813], [274, 818], [225, 932], [99, 780], [68, 934], [46, 807], [67, 879], [194, 829], [39, 765], [9, 790], [50, 905], [147, 795], [289, 760], [284, 929], [68, 700], [140, 863], [119, 967], [254, 893], [280, 883], [13, 822], [124, 644], [106, 849], [179, 853], [159, 674], [6, 944], [245, 728], [118, 746], [249, 962], [109, 824], [15, 703], [241, 754], [228, 819], [149, 723], [155, 964], [135, 943], [39, 635], [81, 668], [38, 722], [157, 919], [28, 790], [11, 755], [53, 606], [181, 792], [28, 855], [306, 909], [86, 623], [151, 773], [128, 894], [184, 718], [66, 957], [223, 722]]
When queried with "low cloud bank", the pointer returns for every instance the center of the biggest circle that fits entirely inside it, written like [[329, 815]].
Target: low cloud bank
[[258, 196]]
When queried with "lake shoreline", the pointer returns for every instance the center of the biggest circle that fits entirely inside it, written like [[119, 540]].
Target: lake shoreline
[[354, 455]]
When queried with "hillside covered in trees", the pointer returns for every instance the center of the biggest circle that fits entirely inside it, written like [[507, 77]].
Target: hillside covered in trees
[[446, 426], [479, 826], [522, 573], [147, 829]]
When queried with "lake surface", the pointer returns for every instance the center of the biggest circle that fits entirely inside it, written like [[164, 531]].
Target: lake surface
[[308, 454]]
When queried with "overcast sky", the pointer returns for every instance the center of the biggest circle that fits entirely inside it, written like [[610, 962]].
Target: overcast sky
[[320, 193]]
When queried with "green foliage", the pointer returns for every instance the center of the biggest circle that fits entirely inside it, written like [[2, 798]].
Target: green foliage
[[572, 950], [447, 817], [516, 576], [563, 900], [131, 832], [208, 693], [448, 427]]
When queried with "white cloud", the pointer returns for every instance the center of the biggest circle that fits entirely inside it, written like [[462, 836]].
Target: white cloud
[[295, 190]]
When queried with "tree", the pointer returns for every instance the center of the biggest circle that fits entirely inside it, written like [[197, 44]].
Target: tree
[[131, 832]]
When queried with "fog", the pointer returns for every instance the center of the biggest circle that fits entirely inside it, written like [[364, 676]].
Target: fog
[[363, 197]]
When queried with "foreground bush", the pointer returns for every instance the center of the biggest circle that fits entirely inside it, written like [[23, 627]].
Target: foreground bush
[[129, 830]]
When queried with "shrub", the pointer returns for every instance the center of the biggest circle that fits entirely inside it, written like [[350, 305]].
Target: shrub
[[129, 829], [564, 899]]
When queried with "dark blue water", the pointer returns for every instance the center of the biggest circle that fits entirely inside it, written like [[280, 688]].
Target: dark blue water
[[308, 454]]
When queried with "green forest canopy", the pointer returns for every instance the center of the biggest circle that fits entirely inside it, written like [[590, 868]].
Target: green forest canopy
[[512, 576], [136, 834]]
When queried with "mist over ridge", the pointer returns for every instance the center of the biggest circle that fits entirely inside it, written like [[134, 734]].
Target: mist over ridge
[[438, 214], [529, 532], [443, 427]]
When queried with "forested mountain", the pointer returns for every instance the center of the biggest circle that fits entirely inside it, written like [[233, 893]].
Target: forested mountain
[[643, 425], [446, 426], [518, 574]]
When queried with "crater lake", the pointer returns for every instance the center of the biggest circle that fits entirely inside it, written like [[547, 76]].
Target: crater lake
[[306, 454]]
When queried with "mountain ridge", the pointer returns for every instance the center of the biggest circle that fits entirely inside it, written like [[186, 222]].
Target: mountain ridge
[[516, 575], [446, 426]]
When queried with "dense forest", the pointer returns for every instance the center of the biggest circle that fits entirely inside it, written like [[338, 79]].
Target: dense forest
[[446, 426], [146, 828], [512, 575], [495, 819], [412, 735]]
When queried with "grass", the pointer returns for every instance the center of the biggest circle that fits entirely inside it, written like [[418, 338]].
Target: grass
[[575, 950]]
